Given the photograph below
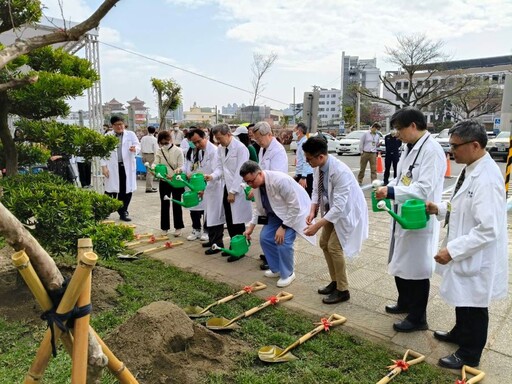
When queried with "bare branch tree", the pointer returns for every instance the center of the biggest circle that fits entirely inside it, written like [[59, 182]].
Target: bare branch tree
[[417, 57], [475, 100], [260, 66], [23, 46]]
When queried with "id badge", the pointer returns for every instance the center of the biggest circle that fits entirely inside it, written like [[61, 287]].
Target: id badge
[[406, 180]]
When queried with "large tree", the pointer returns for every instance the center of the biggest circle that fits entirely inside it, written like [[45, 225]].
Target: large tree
[[260, 66], [168, 95], [35, 79], [477, 99], [420, 61]]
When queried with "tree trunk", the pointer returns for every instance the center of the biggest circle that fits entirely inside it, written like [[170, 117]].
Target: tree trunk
[[10, 153]]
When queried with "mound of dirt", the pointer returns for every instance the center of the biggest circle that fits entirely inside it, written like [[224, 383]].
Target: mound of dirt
[[160, 344]]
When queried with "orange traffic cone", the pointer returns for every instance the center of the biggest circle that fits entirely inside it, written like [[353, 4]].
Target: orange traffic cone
[[448, 173], [380, 164]]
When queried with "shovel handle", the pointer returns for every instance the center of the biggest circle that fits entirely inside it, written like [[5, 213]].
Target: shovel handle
[[281, 296], [478, 374], [334, 319], [149, 250], [395, 371], [256, 286]]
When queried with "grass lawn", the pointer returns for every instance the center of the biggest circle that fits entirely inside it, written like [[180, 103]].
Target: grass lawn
[[334, 357]]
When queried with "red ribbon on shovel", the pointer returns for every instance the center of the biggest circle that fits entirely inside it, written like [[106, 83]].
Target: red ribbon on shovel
[[326, 323], [248, 289], [463, 381], [273, 300], [168, 244], [403, 365]]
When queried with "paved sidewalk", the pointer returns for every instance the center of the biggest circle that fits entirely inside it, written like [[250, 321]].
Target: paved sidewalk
[[371, 288]]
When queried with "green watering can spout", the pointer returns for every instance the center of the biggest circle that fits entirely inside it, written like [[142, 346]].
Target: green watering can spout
[[190, 199], [414, 214]]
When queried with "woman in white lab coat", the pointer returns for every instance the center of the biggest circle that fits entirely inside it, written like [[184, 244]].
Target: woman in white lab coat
[[420, 175]]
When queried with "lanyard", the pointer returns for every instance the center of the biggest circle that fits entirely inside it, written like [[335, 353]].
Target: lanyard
[[411, 167]]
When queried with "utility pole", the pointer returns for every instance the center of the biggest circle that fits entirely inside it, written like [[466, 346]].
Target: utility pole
[[294, 108]]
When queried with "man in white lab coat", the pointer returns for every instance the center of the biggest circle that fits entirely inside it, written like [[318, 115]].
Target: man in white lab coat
[[231, 154], [344, 215], [420, 175], [119, 168], [285, 205], [473, 259]]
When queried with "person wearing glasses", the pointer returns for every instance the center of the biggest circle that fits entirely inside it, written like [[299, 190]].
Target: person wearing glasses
[[119, 169], [420, 175], [473, 259], [285, 205], [343, 215]]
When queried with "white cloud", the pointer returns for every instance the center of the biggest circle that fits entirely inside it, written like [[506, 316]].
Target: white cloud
[[72, 10]]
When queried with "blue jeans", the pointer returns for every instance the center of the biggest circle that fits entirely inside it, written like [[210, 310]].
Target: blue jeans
[[279, 257]]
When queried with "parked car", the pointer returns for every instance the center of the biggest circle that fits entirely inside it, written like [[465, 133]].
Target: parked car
[[443, 138], [332, 143], [498, 147], [350, 144]]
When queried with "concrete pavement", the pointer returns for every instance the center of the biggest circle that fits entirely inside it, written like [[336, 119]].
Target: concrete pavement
[[371, 288]]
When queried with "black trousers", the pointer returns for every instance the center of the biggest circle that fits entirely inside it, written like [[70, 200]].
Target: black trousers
[[122, 196], [390, 160], [84, 174], [309, 183], [470, 332], [413, 295], [215, 233], [196, 220], [165, 189]]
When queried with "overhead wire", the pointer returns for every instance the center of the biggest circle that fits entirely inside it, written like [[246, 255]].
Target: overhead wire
[[190, 72]]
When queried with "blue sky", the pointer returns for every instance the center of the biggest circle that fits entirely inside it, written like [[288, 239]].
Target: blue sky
[[217, 38]]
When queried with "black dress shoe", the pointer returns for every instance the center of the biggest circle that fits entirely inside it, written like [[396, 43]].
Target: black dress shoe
[[453, 361], [408, 326], [328, 289], [263, 258], [394, 308], [264, 266], [230, 259], [206, 245], [211, 251], [445, 336], [336, 297], [125, 218]]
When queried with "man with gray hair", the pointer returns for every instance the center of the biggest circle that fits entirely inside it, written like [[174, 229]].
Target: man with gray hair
[[231, 155], [285, 205], [272, 156], [473, 259]]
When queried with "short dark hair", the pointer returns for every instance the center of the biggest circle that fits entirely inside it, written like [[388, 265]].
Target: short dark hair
[[470, 130], [196, 131], [302, 127], [315, 146], [249, 167], [115, 119], [376, 125], [406, 116], [151, 129]]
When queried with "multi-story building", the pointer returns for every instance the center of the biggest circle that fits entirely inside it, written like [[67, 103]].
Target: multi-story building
[[254, 113], [490, 71], [329, 103], [200, 114], [360, 71]]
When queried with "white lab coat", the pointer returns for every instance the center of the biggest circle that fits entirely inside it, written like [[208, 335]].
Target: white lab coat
[[228, 170], [275, 158], [414, 250], [130, 167], [289, 201], [348, 210], [477, 239], [188, 168]]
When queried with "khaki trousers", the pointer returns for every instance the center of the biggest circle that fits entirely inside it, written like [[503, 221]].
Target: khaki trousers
[[367, 157], [334, 257], [148, 158]]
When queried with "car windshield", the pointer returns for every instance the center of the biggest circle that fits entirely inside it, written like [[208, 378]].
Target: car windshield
[[503, 135], [443, 134], [355, 135]]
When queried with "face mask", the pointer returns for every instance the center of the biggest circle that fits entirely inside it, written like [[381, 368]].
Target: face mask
[[191, 144], [175, 129]]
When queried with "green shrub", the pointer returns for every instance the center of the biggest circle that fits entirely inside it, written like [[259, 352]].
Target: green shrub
[[58, 213], [28, 154]]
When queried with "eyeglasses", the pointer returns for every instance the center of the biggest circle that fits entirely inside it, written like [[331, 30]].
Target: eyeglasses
[[165, 142], [252, 181], [455, 146]]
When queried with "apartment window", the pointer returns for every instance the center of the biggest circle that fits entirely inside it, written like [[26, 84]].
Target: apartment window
[[327, 95], [321, 102], [495, 78], [333, 102], [321, 109], [406, 84], [322, 96], [399, 85], [405, 95], [333, 95]]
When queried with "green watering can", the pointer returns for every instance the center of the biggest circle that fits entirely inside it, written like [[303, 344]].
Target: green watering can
[[196, 183], [190, 199], [160, 171], [414, 214], [247, 190], [375, 184], [179, 180], [239, 246]]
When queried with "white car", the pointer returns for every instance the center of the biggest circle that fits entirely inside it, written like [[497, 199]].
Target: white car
[[498, 147], [332, 143], [350, 144], [443, 138]]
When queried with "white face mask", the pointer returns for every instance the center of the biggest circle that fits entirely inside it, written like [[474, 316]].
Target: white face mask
[[176, 129]]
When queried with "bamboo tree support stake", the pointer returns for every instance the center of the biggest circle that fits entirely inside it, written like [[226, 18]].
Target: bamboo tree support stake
[[67, 303], [22, 262], [116, 366], [81, 328]]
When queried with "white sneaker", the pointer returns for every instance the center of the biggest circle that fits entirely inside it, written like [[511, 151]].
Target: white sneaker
[[286, 282], [204, 236], [164, 233], [177, 233], [194, 235], [269, 273]]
